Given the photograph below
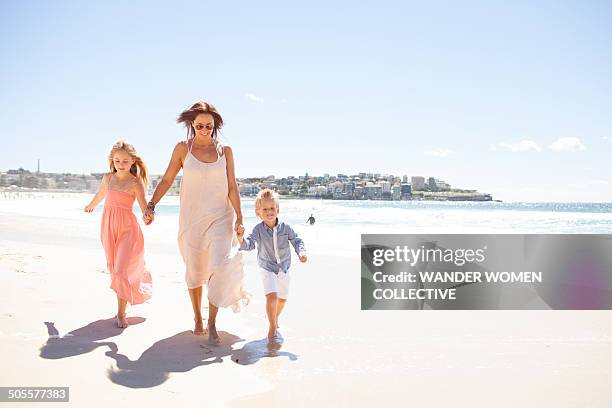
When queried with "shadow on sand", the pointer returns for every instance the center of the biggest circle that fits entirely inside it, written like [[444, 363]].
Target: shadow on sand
[[177, 354], [255, 350], [82, 340]]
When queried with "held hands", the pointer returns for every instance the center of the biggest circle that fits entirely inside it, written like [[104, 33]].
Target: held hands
[[149, 216], [239, 231]]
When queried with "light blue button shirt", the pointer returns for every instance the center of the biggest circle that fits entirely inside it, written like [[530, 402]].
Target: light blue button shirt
[[273, 252]]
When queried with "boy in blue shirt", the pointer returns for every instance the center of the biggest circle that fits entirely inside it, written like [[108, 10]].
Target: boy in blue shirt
[[273, 254]]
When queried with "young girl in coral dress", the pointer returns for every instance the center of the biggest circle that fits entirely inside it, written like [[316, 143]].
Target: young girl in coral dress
[[121, 236]]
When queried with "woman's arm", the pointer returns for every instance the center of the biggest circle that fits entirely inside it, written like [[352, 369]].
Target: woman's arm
[[232, 185], [176, 162], [99, 195]]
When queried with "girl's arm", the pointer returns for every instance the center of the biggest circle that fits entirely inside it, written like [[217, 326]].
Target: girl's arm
[[176, 162], [139, 190], [99, 195], [233, 192]]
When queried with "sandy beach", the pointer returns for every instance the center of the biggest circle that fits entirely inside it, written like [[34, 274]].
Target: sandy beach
[[56, 329]]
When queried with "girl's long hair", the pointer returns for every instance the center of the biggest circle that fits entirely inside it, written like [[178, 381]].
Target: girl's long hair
[[138, 169]]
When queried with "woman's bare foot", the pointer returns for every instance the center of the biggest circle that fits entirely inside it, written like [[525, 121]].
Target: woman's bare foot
[[198, 330], [122, 322], [213, 336]]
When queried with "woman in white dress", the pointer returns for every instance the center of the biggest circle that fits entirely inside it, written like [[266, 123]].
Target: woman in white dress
[[209, 216]]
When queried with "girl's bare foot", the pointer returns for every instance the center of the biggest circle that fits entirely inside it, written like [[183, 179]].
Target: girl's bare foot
[[122, 322], [273, 333], [213, 336], [198, 330]]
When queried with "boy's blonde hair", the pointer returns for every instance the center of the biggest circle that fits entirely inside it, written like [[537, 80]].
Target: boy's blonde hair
[[265, 194]]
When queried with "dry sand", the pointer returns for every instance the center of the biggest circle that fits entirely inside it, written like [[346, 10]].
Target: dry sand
[[56, 329]]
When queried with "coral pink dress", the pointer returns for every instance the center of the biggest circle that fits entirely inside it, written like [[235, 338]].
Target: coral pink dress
[[124, 247]]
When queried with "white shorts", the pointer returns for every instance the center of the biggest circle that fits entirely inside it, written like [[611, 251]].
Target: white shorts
[[275, 283]]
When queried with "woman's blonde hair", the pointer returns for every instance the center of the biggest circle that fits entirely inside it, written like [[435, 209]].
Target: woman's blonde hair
[[265, 194], [138, 169]]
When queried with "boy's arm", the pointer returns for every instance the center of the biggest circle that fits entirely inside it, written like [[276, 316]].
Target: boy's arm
[[297, 242], [248, 243]]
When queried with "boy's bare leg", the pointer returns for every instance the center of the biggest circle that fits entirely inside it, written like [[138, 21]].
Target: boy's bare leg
[[279, 308], [271, 308], [121, 319], [196, 302], [213, 336]]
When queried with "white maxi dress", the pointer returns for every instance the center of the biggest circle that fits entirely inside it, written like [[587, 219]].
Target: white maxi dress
[[206, 239]]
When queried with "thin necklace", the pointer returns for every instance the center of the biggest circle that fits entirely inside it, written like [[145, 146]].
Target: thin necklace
[[203, 144]]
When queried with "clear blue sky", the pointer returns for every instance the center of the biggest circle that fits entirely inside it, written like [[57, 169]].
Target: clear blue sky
[[512, 98]]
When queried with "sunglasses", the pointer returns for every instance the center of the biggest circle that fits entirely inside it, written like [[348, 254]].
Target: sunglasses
[[200, 127]]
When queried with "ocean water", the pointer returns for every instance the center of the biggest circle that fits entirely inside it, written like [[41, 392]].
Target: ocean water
[[339, 224], [428, 217], [370, 216]]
